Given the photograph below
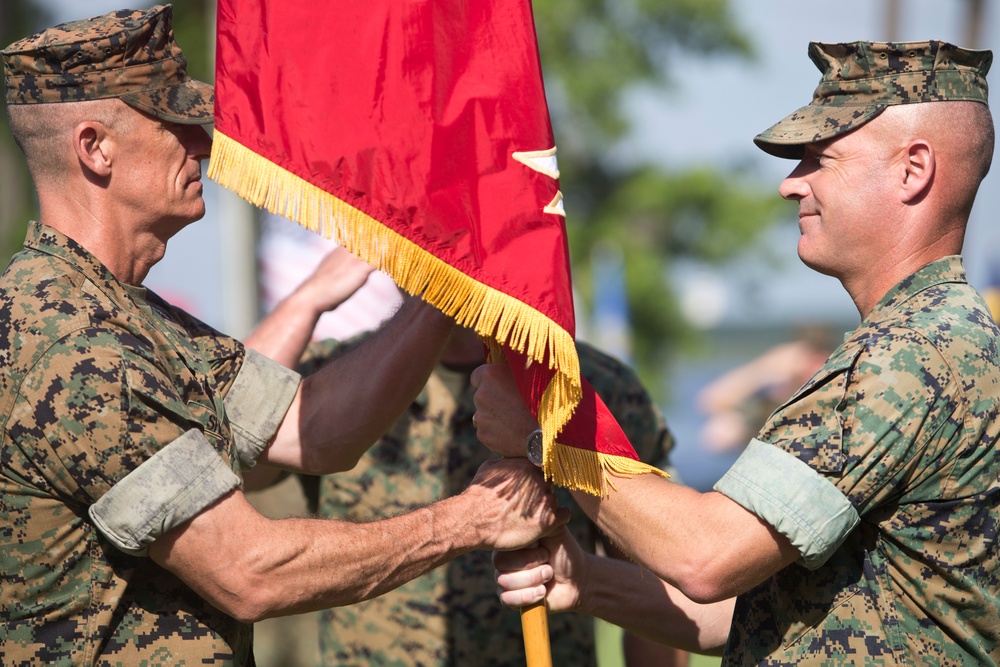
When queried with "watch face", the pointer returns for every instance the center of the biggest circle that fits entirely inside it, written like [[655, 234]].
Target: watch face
[[535, 448]]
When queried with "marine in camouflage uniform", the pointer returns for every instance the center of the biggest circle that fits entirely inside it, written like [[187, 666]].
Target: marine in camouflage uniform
[[450, 616], [894, 439], [891, 447], [861, 524], [127, 424], [109, 398]]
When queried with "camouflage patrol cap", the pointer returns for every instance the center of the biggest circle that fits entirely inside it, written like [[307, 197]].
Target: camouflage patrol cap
[[861, 79], [129, 55]]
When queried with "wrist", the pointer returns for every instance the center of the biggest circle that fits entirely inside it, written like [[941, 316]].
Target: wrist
[[302, 304], [587, 589], [475, 508], [452, 519]]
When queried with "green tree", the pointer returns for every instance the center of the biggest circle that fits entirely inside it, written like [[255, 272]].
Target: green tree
[[593, 53], [192, 30], [18, 18]]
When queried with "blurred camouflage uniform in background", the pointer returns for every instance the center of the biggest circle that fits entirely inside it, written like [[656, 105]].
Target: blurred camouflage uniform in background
[[451, 616]]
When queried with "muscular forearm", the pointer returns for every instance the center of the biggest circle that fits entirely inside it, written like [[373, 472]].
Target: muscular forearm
[[343, 408], [258, 568], [640, 651], [634, 599], [703, 543], [358, 561], [253, 567]]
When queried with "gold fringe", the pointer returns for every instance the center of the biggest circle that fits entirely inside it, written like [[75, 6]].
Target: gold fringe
[[492, 314], [591, 472]]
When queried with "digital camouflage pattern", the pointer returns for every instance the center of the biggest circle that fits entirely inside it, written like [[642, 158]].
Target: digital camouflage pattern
[[450, 616], [129, 55], [95, 378], [861, 79], [903, 419]]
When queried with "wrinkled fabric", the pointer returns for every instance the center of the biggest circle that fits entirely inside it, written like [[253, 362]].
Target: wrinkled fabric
[[428, 125], [96, 379], [903, 420]]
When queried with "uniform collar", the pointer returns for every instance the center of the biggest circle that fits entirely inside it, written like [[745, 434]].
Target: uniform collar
[[948, 269], [47, 240]]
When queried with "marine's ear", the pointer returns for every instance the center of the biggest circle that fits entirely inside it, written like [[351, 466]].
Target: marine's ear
[[94, 147], [917, 170]]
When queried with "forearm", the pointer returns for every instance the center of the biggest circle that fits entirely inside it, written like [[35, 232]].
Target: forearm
[[252, 567], [259, 568], [286, 332], [640, 651], [678, 532], [635, 600], [355, 562], [346, 406]]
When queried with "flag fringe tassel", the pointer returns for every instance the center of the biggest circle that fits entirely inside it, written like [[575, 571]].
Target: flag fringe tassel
[[591, 472], [491, 313]]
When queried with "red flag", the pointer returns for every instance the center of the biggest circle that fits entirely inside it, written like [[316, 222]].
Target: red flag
[[416, 133]]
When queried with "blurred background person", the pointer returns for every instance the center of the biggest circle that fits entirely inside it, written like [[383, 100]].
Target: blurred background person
[[739, 401]]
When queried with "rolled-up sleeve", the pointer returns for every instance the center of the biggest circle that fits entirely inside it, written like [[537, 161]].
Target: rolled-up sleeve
[[257, 403], [794, 499], [167, 489]]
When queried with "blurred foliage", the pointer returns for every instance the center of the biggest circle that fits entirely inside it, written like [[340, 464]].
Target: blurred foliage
[[18, 19], [655, 217], [593, 52], [193, 24]]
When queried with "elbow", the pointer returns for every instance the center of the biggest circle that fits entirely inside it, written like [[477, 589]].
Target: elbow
[[705, 592], [333, 457], [243, 601], [243, 593], [325, 450], [248, 613], [705, 581]]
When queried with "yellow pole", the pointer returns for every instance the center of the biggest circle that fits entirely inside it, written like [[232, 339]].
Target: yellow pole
[[534, 618], [535, 626]]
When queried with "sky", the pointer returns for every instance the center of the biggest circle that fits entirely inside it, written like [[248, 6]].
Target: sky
[[711, 116]]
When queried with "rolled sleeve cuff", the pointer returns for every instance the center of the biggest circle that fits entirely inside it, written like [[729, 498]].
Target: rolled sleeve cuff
[[261, 394], [170, 487], [793, 498]]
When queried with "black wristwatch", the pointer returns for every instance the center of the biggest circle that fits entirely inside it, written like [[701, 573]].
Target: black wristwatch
[[535, 447]]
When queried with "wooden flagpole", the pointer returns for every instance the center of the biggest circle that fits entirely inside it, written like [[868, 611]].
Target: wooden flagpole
[[535, 626]]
